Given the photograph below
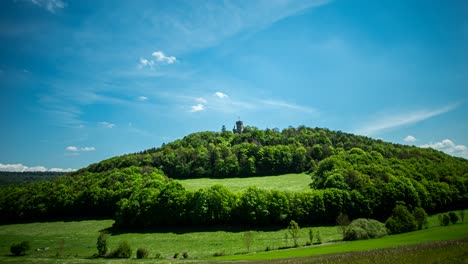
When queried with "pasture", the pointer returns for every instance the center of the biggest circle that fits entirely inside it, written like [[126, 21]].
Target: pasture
[[75, 242], [286, 182]]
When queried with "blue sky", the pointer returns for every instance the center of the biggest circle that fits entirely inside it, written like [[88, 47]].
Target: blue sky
[[82, 81]]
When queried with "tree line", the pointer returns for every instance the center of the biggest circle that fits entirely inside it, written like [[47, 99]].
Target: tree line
[[136, 191]]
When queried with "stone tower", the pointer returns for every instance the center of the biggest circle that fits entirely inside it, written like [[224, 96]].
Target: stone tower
[[239, 127]]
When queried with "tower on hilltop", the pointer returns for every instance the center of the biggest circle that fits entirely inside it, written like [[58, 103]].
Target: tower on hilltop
[[239, 127]]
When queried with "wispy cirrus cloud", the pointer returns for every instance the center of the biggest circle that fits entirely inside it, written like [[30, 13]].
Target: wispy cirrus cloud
[[290, 106], [386, 122], [106, 124], [221, 95], [50, 5], [76, 149], [23, 168]]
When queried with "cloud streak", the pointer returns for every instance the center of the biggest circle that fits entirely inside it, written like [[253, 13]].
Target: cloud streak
[[22, 168], [387, 122], [49, 5]]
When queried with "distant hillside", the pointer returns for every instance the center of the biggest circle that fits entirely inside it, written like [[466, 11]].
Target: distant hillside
[[259, 152], [350, 174], [8, 178]]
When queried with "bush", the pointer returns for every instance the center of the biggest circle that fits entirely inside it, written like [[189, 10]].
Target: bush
[[445, 220], [219, 254], [122, 251], [364, 228], [185, 255], [453, 217], [19, 249], [175, 255], [158, 255], [421, 217], [462, 216], [293, 230], [142, 253], [101, 244], [401, 220]]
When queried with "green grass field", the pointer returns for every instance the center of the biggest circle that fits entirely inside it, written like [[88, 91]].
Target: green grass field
[[75, 242], [286, 182]]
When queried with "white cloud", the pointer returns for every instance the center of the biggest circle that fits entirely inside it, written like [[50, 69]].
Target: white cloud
[[201, 100], [449, 147], [392, 121], [409, 138], [145, 63], [23, 168], [71, 148], [142, 98], [107, 124], [163, 58], [221, 95], [88, 149], [197, 108], [50, 5]]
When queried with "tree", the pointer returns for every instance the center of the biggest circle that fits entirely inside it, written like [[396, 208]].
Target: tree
[[294, 230], [102, 244], [401, 220], [248, 238], [421, 217], [453, 217], [342, 221]]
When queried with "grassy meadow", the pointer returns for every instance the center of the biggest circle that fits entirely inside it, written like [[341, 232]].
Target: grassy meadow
[[75, 242], [286, 182]]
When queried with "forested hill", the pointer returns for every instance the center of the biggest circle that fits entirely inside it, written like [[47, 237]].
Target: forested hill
[[265, 152], [350, 174]]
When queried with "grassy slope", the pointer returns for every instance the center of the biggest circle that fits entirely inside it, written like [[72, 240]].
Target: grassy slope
[[287, 182], [80, 241]]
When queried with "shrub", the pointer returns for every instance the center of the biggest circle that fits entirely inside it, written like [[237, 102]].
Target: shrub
[[19, 249], [122, 251], [175, 255], [364, 228], [185, 254], [421, 217], [293, 230], [319, 238], [101, 244], [462, 216], [445, 219], [401, 220], [158, 255], [453, 217], [219, 254], [142, 253]]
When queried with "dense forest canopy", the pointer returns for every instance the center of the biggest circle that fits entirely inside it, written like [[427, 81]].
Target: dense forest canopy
[[356, 175]]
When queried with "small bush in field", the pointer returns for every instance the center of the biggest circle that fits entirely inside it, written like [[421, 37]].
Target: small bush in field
[[421, 217], [122, 251], [445, 220], [401, 220], [453, 217], [175, 255], [101, 244], [142, 253], [185, 255], [19, 249]]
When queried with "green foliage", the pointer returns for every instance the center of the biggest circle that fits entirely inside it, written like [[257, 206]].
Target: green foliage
[[421, 217], [311, 237], [462, 216], [293, 230], [363, 228], [19, 249], [185, 255], [142, 253], [453, 217], [342, 221], [355, 175], [445, 220], [101, 244], [319, 237], [122, 251], [401, 220]]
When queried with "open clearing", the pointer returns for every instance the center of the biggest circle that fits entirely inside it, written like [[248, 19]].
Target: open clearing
[[74, 242], [286, 182]]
